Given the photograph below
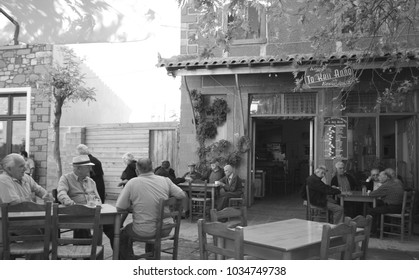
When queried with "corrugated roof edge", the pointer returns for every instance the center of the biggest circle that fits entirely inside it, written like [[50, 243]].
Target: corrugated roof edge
[[181, 61]]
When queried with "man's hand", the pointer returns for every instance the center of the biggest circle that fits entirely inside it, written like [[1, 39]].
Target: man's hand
[[48, 197]]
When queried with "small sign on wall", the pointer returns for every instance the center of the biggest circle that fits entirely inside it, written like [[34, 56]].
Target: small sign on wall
[[336, 137], [325, 76]]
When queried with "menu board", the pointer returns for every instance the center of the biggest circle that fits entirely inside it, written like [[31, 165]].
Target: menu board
[[335, 137]]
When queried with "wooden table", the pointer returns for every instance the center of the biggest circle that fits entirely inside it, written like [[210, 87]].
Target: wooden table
[[292, 239], [357, 196], [211, 188], [108, 216]]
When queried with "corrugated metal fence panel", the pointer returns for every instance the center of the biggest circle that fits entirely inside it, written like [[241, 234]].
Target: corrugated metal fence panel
[[163, 146], [111, 141]]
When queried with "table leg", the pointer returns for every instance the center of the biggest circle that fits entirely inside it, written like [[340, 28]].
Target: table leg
[[341, 204], [117, 231]]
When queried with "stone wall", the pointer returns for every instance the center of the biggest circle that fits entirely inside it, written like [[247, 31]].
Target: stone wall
[[20, 67]]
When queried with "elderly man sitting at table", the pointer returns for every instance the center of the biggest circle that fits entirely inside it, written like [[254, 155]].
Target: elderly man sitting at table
[[143, 194], [391, 199], [230, 186], [15, 185], [77, 188]]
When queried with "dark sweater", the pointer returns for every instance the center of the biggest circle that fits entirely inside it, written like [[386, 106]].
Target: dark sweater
[[318, 190]]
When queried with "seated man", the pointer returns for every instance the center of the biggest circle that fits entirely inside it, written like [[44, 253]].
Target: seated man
[[391, 199], [192, 175], [372, 182], [346, 183], [143, 194], [216, 173], [29, 164], [319, 191], [166, 171], [77, 188], [15, 185], [230, 186], [129, 171]]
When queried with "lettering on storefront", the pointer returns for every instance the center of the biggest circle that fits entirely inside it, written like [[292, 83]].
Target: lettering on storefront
[[325, 76], [335, 137]]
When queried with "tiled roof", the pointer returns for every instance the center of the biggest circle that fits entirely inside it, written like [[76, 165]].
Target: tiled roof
[[187, 63]]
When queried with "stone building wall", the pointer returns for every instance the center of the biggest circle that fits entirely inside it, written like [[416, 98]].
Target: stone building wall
[[20, 67]]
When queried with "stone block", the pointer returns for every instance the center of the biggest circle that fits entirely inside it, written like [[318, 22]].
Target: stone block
[[19, 79], [40, 126], [40, 141]]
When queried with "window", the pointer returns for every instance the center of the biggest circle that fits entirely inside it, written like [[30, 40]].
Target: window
[[247, 26], [12, 123]]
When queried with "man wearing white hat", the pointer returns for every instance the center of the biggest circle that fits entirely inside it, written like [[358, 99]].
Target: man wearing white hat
[[76, 187]]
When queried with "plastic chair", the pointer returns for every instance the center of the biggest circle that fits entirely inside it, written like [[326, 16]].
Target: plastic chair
[[399, 224], [361, 238], [171, 207], [337, 239], [199, 202], [315, 212], [220, 233], [76, 217], [231, 215], [35, 231]]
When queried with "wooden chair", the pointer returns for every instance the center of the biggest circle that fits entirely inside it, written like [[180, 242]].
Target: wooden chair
[[76, 217], [169, 208], [27, 236], [238, 202], [220, 233], [400, 224], [337, 239], [320, 214], [231, 215], [199, 202], [361, 238]]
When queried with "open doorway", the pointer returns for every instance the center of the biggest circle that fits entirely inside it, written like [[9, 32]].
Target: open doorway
[[281, 156]]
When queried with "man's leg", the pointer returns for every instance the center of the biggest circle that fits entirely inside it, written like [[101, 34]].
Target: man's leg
[[337, 211], [376, 215], [125, 243]]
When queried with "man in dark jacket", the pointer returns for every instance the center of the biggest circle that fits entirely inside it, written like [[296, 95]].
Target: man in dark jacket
[[96, 172], [319, 191]]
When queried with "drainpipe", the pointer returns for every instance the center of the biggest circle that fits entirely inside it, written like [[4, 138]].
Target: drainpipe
[[16, 35], [241, 103]]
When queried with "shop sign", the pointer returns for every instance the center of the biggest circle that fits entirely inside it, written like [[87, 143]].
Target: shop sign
[[336, 137], [326, 76]]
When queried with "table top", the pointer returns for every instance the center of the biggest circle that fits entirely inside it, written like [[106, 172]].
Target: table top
[[209, 185], [357, 194], [106, 209], [285, 235]]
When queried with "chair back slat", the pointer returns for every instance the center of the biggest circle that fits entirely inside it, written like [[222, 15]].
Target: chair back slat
[[34, 226], [361, 239], [220, 235], [337, 239], [75, 217], [230, 213]]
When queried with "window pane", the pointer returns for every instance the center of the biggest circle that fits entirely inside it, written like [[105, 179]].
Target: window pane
[[4, 105], [19, 105], [3, 139], [18, 136]]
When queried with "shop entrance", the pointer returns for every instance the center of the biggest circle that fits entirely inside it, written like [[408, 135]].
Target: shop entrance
[[283, 149]]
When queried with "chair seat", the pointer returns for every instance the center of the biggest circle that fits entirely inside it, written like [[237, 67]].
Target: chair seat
[[77, 252], [24, 248], [396, 215]]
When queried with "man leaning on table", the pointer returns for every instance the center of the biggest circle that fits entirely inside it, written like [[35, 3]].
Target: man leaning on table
[[391, 199], [142, 194], [78, 188], [15, 185], [319, 191]]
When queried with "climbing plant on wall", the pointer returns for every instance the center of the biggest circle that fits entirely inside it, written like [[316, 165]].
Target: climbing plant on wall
[[208, 117]]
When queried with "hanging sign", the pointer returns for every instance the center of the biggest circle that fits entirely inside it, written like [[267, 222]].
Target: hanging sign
[[326, 76], [335, 137]]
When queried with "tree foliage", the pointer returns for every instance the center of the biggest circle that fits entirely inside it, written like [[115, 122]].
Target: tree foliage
[[64, 82]]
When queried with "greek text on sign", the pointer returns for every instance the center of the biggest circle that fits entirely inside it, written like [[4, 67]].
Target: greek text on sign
[[329, 76]]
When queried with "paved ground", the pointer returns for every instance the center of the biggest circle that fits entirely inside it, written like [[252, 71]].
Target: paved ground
[[389, 248]]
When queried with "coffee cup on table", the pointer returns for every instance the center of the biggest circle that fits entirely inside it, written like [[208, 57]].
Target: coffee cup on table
[[217, 183]]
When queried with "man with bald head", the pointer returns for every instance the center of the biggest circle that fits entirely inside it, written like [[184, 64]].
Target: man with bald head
[[142, 194], [230, 186], [15, 185]]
